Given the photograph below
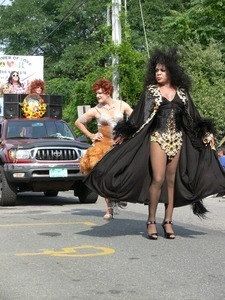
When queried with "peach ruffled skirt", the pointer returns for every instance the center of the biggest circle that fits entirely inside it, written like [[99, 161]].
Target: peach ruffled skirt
[[97, 151]]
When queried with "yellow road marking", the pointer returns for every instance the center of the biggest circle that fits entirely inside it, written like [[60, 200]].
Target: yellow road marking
[[79, 251], [44, 224]]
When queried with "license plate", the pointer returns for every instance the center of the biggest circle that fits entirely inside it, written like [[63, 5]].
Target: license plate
[[58, 173]]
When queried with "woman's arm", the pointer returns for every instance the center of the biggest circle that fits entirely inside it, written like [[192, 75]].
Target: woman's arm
[[81, 124]]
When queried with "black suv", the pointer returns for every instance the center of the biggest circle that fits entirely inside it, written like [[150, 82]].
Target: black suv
[[40, 155]]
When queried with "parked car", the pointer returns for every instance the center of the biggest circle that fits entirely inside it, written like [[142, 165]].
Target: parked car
[[40, 155]]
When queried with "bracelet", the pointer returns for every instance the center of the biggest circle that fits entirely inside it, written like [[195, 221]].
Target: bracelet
[[82, 119]]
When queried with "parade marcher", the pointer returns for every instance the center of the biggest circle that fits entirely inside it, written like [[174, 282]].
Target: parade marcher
[[168, 152], [108, 112], [16, 87], [37, 86]]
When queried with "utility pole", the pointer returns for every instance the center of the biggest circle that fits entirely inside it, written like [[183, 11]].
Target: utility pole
[[116, 37]]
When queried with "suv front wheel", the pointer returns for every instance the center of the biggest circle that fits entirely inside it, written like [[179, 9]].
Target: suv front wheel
[[8, 193]]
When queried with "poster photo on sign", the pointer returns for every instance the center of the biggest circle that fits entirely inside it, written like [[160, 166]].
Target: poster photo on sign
[[27, 67]]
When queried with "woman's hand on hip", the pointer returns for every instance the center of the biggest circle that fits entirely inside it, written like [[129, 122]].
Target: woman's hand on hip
[[96, 137]]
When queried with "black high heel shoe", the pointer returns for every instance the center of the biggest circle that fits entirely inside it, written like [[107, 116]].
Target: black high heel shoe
[[152, 236], [168, 235]]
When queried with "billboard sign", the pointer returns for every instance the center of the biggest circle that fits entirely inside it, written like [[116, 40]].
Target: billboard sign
[[28, 67]]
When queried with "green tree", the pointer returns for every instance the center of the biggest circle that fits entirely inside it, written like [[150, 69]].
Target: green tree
[[77, 46], [205, 67], [200, 22], [153, 14], [61, 31]]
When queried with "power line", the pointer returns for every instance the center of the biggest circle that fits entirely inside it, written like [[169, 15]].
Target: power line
[[68, 13], [143, 24]]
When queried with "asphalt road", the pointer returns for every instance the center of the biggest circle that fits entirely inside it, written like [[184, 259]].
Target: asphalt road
[[59, 249]]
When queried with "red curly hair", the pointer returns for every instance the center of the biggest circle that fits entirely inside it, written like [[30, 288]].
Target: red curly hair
[[36, 84], [103, 84]]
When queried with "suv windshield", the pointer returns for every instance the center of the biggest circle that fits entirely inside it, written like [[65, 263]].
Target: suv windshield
[[38, 129]]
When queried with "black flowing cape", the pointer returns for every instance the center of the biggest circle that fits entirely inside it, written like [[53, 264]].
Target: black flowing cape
[[124, 173]]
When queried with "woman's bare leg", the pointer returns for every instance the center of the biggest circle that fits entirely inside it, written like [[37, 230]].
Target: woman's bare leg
[[109, 212], [158, 163]]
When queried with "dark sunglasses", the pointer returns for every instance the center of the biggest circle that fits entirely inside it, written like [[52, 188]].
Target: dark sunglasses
[[15, 75]]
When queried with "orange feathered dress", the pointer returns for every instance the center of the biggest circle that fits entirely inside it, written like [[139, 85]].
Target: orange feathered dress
[[106, 123], [96, 152]]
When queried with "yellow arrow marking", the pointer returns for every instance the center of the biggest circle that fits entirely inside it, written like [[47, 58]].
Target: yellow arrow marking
[[79, 251]]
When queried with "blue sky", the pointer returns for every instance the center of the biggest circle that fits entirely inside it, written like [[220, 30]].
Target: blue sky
[[5, 2]]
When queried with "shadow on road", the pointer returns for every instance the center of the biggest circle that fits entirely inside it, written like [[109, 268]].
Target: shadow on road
[[24, 199], [121, 226]]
